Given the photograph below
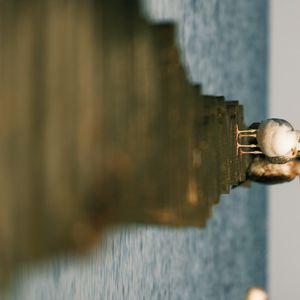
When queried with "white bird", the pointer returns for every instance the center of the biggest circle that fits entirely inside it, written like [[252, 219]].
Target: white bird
[[276, 139]]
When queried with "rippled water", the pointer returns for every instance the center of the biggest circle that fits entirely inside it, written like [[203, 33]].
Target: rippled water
[[223, 46]]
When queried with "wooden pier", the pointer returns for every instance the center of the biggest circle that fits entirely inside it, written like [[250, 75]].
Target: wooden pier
[[99, 125]]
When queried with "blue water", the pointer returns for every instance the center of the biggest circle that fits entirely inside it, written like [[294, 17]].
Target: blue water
[[224, 47]]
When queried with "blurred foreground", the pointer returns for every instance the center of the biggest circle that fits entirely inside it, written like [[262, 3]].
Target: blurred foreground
[[99, 125]]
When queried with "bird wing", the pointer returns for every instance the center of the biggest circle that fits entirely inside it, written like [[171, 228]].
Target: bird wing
[[262, 170], [269, 179], [280, 159]]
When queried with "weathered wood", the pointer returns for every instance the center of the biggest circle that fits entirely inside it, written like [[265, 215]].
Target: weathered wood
[[99, 124]]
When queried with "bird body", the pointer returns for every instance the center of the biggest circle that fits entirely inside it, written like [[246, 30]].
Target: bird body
[[277, 137], [279, 144]]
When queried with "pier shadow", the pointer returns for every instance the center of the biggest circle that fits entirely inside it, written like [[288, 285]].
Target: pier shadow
[[101, 126]]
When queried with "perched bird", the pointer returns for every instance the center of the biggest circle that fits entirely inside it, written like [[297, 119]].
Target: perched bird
[[264, 171], [275, 138]]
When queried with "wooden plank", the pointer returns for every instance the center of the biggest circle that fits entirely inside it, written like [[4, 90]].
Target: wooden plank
[[99, 125]]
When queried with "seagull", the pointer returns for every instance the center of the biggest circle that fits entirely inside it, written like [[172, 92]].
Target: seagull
[[276, 139], [262, 170]]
